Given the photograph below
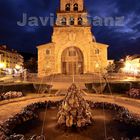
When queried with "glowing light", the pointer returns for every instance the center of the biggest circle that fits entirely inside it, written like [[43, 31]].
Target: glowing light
[[131, 66], [97, 65], [48, 66], [127, 67], [2, 65], [18, 67]]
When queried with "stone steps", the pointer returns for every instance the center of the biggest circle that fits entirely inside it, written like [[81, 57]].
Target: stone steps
[[77, 78]]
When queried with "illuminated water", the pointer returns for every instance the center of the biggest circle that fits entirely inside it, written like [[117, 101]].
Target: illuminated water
[[95, 132]]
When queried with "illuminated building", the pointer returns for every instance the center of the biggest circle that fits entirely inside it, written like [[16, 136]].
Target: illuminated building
[[73, 49], [132, 65], [9, 59]]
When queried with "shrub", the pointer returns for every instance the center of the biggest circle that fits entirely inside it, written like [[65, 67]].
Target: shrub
[[134, 93], [118, 87], [88, 86]]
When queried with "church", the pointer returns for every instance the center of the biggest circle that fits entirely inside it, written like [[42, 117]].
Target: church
[[73, 48]]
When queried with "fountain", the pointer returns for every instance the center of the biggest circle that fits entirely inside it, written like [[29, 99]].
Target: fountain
[[74, 110]]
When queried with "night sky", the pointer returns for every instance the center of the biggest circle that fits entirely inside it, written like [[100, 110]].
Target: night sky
[[123, 40]]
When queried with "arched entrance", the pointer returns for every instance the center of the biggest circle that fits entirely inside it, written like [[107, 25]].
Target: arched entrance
[[72, 61]]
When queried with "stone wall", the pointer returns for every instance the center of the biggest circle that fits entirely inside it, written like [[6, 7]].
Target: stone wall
[[71, 34], [46, 59], [63, 38]]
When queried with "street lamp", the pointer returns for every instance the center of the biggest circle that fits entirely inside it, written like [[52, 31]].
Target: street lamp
[[18, 67]]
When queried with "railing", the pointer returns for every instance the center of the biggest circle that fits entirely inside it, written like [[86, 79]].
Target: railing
[[86, 77], [122, 76]]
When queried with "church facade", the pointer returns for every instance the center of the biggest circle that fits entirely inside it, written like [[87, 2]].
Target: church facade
[[73, 49]]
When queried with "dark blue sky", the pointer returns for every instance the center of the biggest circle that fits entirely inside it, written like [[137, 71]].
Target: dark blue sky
[[122, 40]]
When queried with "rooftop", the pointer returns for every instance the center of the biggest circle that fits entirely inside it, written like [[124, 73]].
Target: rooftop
[[7, 49]]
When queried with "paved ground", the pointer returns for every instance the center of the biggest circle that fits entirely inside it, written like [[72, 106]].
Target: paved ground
[[131, 104], [66, 85], [11, 107], [69, 78], [15, 106]]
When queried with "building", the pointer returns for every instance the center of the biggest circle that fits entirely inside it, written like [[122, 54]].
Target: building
[[110, 62], [132, 64], [10, 59], [73, 49]]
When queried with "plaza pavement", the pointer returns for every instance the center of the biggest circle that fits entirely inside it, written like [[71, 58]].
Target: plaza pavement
[[13, 106]]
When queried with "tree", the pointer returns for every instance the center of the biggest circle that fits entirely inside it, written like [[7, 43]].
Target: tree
[[31, 65], [111, 68]]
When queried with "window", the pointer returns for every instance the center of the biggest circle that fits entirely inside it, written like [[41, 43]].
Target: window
[[71, 21], [67, 8], [72, 53], [97, 51], [80, 21], [47, 52], [63, 21], [75, 8]]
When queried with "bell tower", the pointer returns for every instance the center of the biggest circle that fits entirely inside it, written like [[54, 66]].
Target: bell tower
[[71, 5], [71, 13], [72, 48]]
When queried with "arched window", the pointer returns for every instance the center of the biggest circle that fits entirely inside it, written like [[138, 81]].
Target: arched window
[[75, 8], [97, 51], [71, 21], [67, 8], [63, 21], [47, 51], [80, 21]]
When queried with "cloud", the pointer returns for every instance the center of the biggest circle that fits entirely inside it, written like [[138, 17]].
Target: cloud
[[26, 38]]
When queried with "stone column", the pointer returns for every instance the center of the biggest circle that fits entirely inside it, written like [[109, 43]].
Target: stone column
[[76, 21], [67, 20]]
